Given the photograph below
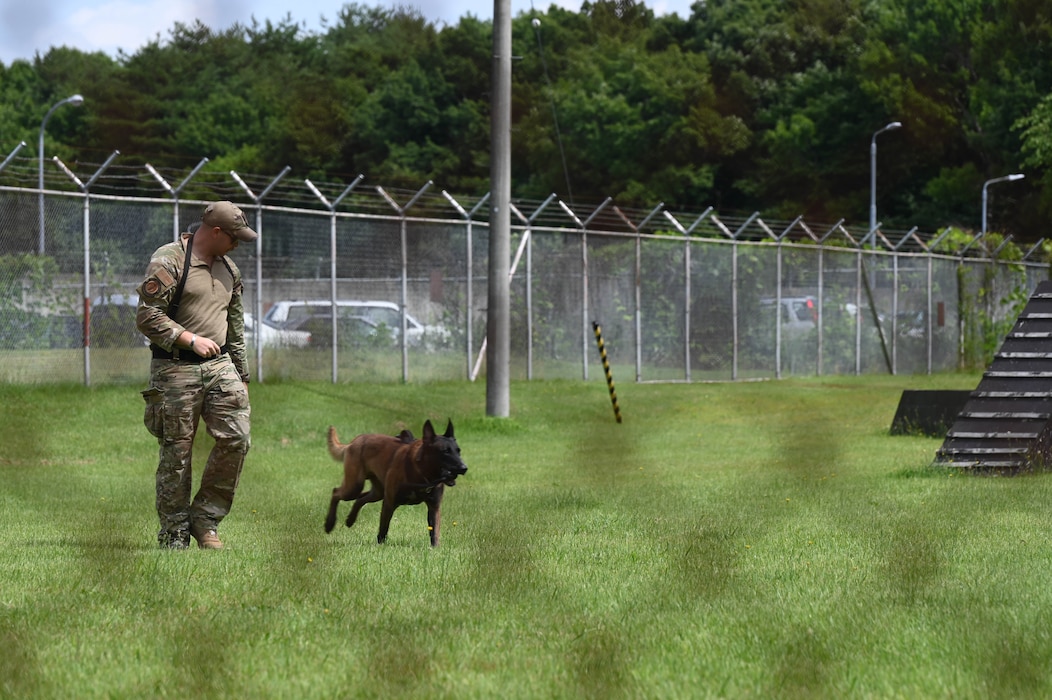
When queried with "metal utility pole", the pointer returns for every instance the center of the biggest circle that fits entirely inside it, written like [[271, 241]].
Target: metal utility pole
[[75, 100], [1007, 178], [873, 173], [498, 326]]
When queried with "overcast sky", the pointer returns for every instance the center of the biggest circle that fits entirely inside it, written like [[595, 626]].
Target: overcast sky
[[28, 27]]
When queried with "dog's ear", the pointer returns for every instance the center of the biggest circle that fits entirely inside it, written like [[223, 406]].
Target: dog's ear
[[429, 431], [449, 430]]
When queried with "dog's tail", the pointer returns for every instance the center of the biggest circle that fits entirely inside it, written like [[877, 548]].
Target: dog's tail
[[336, 448]]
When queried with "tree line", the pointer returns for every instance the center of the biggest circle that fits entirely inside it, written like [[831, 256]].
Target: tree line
[[745, 105]]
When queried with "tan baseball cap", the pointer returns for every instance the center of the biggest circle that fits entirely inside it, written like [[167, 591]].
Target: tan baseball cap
[[229, 217]]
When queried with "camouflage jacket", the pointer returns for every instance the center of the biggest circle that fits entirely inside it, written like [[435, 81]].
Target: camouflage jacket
[[157, 290]]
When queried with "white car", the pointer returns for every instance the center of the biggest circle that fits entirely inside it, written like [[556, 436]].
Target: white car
[[274, 337], [799, 314], [378, 314]]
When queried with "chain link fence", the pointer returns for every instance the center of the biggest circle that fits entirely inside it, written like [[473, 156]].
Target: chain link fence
[[717, 300]]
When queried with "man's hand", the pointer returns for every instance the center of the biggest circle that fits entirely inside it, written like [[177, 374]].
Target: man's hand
[[206, 347], [202, 346]]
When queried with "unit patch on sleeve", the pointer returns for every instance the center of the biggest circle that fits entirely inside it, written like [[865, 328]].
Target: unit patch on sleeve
[[151, 288]]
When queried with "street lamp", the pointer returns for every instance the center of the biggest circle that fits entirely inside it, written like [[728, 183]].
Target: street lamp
[[873, 173], [76, 101], [1006, 178]]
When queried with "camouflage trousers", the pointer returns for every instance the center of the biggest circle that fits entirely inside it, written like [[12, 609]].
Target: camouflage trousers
[[180, 396]]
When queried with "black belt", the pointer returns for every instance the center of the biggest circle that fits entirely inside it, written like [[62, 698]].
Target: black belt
[[186, 355]]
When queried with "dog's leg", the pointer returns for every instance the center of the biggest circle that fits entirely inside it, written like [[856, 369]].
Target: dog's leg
[[330, 519], [368, 497], [390, 503], [343, 492], [433, 520]]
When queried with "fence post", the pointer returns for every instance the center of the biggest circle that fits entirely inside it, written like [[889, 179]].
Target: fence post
[[638, 279], [84, 187], [685, 232], [258, 201], [526, 244], [895, 300], [584, 279], [869, 295], [331, 206], [858, 309], [405, 265], [470, 292]]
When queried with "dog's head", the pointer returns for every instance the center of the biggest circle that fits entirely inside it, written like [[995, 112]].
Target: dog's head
[[445, 449]]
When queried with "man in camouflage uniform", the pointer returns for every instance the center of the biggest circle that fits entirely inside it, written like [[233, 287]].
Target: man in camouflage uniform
[[199, 371]]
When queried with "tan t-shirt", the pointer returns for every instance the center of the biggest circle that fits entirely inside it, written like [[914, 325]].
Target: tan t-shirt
[[206, 296]]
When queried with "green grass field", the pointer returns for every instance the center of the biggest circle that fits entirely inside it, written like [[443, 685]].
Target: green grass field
[[759, 540]]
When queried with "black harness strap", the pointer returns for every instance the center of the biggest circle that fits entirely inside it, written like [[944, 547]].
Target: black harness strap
[[173, 305]]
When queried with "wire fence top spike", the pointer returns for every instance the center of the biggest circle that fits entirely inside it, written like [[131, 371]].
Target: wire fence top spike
[[331, 206], [275, 181], [160, 178], [84, 187], [719, 224], [910, 235], [938, 239], [456, 205], [675, 223], [317, 193], [625, 219], [544, 205], [190, 176], [1034, 248], [741, 229], [570, 213], [93, 178], [69, 173], [515, 210], [400, 209], [1006, 241], [598, 209], [807, 229], [830, 232], [11, 156], [767, 229], [653, 212], [700, 219]]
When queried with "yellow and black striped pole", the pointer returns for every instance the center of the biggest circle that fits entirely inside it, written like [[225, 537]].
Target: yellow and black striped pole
[[606, 368]]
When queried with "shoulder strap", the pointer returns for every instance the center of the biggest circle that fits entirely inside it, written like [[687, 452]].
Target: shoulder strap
[[173, 306]]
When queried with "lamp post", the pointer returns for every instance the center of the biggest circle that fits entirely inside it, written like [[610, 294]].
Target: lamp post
[[873, 173], [1006, 178], [75, 100]]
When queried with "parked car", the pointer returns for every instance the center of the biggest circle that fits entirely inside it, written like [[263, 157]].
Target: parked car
[[384, 316], [272, 337], [797, 313], [353, 331]]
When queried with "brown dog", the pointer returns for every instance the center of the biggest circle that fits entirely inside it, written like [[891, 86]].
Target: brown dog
[[400, 470]]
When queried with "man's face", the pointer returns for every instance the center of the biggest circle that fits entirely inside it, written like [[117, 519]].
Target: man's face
[[219, 242]]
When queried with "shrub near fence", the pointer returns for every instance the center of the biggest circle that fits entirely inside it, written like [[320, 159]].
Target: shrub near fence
[[675, 303]]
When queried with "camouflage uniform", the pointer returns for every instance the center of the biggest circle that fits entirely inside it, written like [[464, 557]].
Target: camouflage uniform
[[187, 388]]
